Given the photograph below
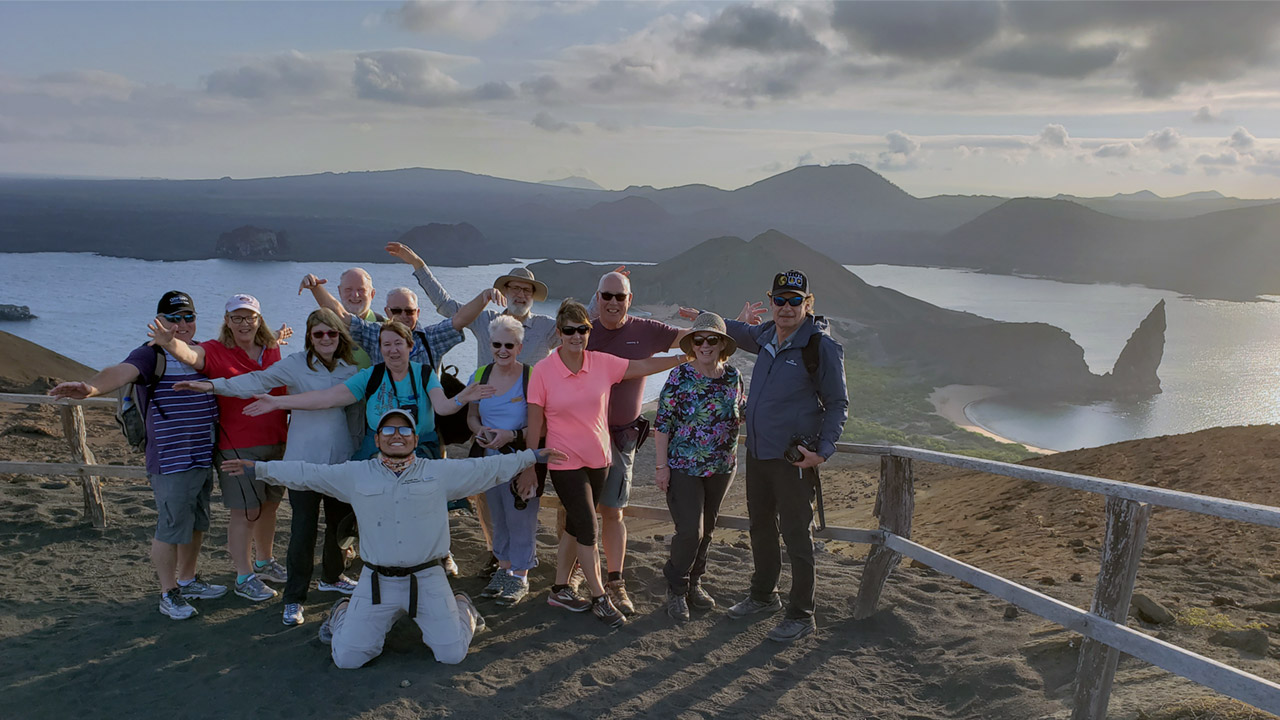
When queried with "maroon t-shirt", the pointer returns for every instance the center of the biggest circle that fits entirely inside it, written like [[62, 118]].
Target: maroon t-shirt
[[637, 339]]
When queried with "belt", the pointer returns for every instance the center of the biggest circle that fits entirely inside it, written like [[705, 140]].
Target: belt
[[410, 572]]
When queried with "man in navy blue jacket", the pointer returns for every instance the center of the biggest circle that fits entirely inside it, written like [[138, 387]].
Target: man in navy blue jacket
[[791, 395]]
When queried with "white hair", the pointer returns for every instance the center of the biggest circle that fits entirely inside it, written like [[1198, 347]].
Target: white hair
[[364, 275], [407, 292], [508, 323]]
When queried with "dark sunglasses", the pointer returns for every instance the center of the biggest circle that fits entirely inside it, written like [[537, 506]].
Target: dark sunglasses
[[180, 317], [614, 296], [794, 301], [321, 334], [712, 341], [509, 346], [402, 311], [581, 329], [388, 431]]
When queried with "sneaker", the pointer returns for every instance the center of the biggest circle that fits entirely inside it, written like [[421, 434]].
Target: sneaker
[[254, 589], [343, 584], [271, 570], [604, 609], [617, 592], [514, 591], [791, 629], [577, 578], [198, 589], [465, 605], [751, 606], [677, 606], [496, 585], [326, 628], [449, 566], [700, 599], [569, 600], [292, 614], [175, 606]]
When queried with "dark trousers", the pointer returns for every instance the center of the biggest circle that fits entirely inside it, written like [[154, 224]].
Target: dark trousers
[[301, 560], [780, 501], [578, 491], [694, 503]]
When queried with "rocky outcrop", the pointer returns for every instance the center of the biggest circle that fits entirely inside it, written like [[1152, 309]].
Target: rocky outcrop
[[16, 312], [251, 243], [453, 245], [1134, 373]]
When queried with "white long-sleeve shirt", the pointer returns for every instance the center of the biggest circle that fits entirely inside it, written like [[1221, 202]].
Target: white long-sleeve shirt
[[404, 521]]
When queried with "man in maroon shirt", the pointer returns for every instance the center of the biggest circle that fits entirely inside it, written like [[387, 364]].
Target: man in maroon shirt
[[632, 338]]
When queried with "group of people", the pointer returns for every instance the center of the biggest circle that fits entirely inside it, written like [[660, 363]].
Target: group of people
[[555, 397]]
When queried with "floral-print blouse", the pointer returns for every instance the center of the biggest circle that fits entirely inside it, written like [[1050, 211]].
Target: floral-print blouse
[[701, 416]]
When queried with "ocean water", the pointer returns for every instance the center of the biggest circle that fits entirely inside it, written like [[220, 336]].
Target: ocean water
[[1221, 361]]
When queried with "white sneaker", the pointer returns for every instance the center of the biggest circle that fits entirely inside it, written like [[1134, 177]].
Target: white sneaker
[[175, 606], [343, 584], [292, 614]]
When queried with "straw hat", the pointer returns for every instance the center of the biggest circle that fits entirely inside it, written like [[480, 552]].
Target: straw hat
[[709, 322], [522, 274]]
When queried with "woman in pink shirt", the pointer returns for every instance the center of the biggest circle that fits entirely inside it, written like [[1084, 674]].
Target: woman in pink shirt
[[568, 397]]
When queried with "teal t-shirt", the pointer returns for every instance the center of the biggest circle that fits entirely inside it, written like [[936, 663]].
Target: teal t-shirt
[[404, 393]]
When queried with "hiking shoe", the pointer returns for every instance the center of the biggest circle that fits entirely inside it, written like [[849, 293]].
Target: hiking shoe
[[326, 628], [254, 589], [271, 570], [175, 606], [343, 584], [700, 599], [677, 606], [791, 629], [514, 591], [617, 592], [577, 578], [569, 600], [751, 606], [449, 566], [292, 614], [604, 609], [465, 605], [198, 589], [496, 585]]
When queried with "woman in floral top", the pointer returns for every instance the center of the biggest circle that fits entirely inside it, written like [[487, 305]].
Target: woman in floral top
[[699, 413]]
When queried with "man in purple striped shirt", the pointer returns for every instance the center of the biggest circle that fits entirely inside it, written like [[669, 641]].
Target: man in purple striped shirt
[[179, 450]]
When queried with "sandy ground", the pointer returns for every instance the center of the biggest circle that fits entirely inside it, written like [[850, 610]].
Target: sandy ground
[[950, 402]]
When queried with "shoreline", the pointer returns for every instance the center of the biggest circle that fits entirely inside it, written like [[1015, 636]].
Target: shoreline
[[952, 401]]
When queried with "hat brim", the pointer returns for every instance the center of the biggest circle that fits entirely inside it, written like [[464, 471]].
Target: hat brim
[[539, 289], [686, 342]]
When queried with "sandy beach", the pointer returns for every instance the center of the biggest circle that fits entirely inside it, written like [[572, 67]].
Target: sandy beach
[[950, 402]]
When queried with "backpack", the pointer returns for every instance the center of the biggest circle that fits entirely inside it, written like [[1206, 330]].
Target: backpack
[[482, 376], [131, 411], [450, 429]]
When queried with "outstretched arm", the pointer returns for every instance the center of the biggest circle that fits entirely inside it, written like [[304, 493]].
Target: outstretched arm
[[322, 296], [445, 305], [108, 380], [468, 313], [332, 480], [649, 366], [162, 335], [444, 405], [337, 396]]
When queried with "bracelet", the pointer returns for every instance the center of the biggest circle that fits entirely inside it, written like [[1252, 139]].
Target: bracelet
[[458, 402]]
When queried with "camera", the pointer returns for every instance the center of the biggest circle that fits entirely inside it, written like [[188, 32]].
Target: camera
[[800, 440]]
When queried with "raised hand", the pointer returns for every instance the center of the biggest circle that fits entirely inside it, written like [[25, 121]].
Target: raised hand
[[283, 334], [405, 254], [160, 333], [262, 405], [236, 466], [689, 313], [495, 296], [622, 270], [73, 390], [310, 282], [200, 386], [752, 313]]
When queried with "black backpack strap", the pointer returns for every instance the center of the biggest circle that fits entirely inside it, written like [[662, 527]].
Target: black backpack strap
[[160, 368], [431, 360], [528, 371], [485, 372], [375, 379]]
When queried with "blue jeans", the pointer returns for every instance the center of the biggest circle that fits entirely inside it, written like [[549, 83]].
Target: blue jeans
[[514, 531]]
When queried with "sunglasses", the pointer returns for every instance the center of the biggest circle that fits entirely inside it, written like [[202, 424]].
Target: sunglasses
[[580, 330], [180, 317], [614, 296], [402, 311], [712, 341], [794, 301], [321, 334], [509, 346], [388, 431]]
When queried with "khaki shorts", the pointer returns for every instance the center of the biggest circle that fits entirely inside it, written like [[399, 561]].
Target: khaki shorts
[[182, 504], [245, 492]]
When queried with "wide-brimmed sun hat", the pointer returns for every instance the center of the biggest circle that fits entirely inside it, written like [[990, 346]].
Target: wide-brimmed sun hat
[[709, 323], [522, 274]]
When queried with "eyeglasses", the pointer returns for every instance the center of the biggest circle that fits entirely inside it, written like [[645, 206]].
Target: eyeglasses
[[509, 346], [242, 319], [712, 340], [321, 334], [793, 301], [614, 296], [402, 311], [579, 330], [513, 288], [180, 317], [388, 430]]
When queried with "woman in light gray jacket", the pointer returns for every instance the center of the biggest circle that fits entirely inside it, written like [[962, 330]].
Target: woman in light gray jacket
[[318, 436]]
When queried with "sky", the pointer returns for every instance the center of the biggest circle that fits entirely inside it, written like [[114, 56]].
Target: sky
[[1001, 98]]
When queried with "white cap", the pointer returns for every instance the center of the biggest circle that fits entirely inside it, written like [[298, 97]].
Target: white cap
[[413, 423], [244, 302]]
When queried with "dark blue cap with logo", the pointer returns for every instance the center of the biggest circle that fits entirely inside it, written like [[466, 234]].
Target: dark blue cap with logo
[[175, 301], [790, 281]]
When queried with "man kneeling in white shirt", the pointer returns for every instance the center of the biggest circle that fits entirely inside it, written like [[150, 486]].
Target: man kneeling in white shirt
[[400, 502]]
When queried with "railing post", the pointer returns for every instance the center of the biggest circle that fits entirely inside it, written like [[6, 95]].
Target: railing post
[[1121, 552], [74, 430], [895, 505]]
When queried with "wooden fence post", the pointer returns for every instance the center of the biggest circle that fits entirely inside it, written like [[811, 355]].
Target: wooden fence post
[[74, 430], [895, 505], [1121, 552]]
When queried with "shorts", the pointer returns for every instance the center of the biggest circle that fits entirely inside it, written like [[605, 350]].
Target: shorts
[[577, 491], [182, 504], [617, 486], [245, 492]]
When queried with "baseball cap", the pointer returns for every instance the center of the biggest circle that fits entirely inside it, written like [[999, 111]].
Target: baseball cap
[[244, 302], [174, 301], [402, 413], [790, 281]]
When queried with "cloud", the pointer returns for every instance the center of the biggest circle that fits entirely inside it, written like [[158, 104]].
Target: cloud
[[1176, 169], [1051, 59], [1242, 140], [1228, 158], [609, 125], [471, 19], [925, 30], [1055, 136], [544, 121], [410, 77], [761, 29], [543, 87], [900, 142], [901, 154], [1163, 140], [1206, 115], [1115, 150], [81, 85], [291, 73], [494, 91]]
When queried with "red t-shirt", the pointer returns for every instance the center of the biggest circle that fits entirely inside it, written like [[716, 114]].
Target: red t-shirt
[[637, 339], [238, 430]]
